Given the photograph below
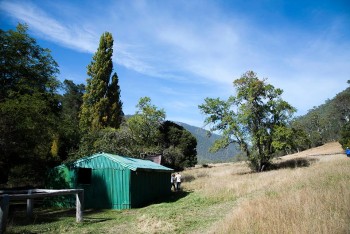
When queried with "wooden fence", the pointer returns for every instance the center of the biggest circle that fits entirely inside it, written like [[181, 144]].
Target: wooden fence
[[29, 195]]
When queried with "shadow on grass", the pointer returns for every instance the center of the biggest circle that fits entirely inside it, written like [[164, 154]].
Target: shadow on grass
[[293, 163], [188, 178], [173, 197], [18, 217], [245, 173]]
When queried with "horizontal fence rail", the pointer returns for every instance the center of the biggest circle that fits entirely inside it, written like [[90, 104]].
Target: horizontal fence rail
[[29, 195]]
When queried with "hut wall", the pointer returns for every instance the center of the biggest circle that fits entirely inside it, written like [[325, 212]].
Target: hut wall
[[146, 186], [121, 189], [109, 189]]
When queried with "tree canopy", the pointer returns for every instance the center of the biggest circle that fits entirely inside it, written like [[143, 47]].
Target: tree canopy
[[178, 146], [69, 134], [29, 105], [252, 118], [144, 125]]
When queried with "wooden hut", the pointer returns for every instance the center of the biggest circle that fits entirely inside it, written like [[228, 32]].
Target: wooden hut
[[112, 181]]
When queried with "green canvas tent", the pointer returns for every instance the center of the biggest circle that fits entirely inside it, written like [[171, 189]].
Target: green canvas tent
[[112, 181]]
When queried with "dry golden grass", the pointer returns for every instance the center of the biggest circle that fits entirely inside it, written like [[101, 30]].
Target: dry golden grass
[[309, 199], [149, 224]]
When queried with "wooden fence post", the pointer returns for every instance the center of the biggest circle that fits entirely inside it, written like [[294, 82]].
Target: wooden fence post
[[79, 205], [30, 203], [4, 208]]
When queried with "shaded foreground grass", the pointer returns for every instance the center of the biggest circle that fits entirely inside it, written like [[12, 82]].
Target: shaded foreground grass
[[180, 213], [302, 195]]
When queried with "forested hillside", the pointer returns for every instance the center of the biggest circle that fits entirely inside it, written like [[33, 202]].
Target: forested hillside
[[325, 123], [204, 143]]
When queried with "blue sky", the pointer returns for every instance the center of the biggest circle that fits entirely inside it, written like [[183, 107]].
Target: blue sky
[[180, 52]]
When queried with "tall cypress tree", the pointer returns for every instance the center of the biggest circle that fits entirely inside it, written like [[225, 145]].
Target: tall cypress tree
[[101, 103], [114, 111]]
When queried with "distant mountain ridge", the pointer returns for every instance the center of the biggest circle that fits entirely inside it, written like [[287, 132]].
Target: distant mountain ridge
[[204, 143]]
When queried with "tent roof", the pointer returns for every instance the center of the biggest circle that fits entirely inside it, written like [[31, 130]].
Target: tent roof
[[133, 164]]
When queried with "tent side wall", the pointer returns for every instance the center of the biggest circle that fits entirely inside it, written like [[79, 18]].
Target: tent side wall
[[148, 185]]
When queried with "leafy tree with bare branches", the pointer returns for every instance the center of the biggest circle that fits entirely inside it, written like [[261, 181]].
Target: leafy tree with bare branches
[[251, 118]]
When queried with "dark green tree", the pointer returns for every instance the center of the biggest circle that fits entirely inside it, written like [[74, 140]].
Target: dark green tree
[[114, 109], [179, 146], [69, 133], [29, 107], [250, 118], [101, 103]]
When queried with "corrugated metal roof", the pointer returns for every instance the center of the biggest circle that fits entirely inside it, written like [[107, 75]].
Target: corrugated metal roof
[[133, 164]]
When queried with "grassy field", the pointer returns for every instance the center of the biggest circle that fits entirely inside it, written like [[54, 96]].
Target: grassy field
[[308, 192]]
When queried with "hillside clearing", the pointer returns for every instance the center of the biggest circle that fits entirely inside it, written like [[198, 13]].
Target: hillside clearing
[[309, 193]]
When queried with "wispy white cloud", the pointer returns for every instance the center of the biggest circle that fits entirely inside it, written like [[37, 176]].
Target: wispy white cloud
[[164, 47], [74, 36], [190, 43]]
